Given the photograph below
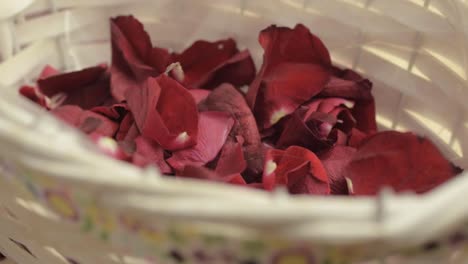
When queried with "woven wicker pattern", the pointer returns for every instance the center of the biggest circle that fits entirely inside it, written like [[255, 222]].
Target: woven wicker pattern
[[413, 50]]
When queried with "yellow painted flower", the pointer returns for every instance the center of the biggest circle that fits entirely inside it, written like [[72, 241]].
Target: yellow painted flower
[[152, 235], [61, 203], [100, 218]]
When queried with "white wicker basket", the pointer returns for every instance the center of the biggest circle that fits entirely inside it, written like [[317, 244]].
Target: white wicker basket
[[61, 202]]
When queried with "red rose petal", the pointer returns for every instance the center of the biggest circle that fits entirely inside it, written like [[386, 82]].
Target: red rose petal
[[231, 160], [203, 173], [305, 134], [86, 88], [239, 70], [335, 160], [301, 182], [283, 44], [350, 85], [213, 130], [87, 121], [133, 57], [227, 99], [165, 112], [208, 64], [199, 94], [33, 94], [295, 68], [285, 88], [148, 152], [298, 169], [402, 161], [356, 137]]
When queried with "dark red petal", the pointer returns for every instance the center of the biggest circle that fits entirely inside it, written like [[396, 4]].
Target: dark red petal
[[283, 44], [148, 152], [227, 99], [203, 58], [213, 130], [288, 47], [350, 85], [402, 161], [199, 94], [199, 172], [87, 121], [121, 82], [239, 70], [286, 87], [133, 45], [133, 58], [231, 160], [335, 160], [356, 136], [165, 112], [305, 134], [34, 95], [85, 88]]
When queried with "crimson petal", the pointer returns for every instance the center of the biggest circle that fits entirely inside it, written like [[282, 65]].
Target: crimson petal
[[297, 168], [402, 161], [295, 68], [335, 160], [198, 172], [227, 99], [285, 88], [147, 152], [213, 130], [350, 85], [165, 112], [231, 160], [133, 57], [33, 94], [86, 88], [305, 134], [208, 64]]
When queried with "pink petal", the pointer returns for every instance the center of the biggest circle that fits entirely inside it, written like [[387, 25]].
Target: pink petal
[[87, 121], [213, 129]]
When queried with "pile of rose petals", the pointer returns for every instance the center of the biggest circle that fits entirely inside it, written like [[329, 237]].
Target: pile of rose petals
[[303, 124]]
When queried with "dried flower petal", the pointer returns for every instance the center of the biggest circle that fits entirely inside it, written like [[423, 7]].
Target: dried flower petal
[[213, 130], [165, 111], [402, 161]]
